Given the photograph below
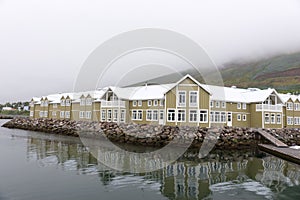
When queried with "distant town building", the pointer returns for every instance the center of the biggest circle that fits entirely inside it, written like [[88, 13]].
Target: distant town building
[[7, 108]]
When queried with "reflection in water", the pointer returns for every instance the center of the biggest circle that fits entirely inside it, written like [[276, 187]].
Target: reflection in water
[[222, 175]]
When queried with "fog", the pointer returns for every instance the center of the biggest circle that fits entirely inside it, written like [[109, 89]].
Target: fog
[[43, 44]]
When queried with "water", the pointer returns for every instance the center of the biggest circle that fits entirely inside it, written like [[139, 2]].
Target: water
[[42, 166]]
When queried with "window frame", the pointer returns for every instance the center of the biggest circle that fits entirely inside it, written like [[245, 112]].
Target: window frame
[[183, 94], [193, 104]]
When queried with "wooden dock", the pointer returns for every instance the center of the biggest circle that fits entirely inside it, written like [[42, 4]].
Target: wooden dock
[[272, 139], [289, 154]]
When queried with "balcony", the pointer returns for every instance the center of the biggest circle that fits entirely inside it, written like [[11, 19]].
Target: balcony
[[114, 104], [268, 107]]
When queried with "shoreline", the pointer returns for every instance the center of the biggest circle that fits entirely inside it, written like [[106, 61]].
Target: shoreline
[[155, 135]]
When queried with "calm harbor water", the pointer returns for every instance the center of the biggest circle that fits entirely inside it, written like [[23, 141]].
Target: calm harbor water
[[42, 166]]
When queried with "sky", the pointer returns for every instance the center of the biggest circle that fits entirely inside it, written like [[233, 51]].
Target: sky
[[43, 44]]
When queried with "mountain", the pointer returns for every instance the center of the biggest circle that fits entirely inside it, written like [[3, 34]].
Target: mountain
[[280, 72]]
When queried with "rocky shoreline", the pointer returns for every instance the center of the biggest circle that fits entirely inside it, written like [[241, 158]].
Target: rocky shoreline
[[154, 135]]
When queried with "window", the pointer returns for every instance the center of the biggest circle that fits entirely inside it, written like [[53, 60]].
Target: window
[[272, 118], [217, 104], [103, 115], [115, 116], [193, 98], [134, 103], [297, 120], [31, 114], [88, 114], [289, 106], [68, 102], [140, 103], [134, 115], [149, 102], [239, 105], [244, 106], [217, 117], [290, 121], [62, 114], [212, 116], [239, 117], [42, 103], [67, 114], [223, 104], [296, 106], [109, 115], [155, 103], [53, 113], [193, 116], [162, 102], [211, 104], [267, 118], [41, 114], [155, 115], [203, 116], [278, 118], [140, 115], [81, 114], [62, 102], [89, 101], [181, 115], [122, 116], [181, 98], [45, 113], [55, 105], [149, 115], [46, 103], [223, 116], [171, 115], [161, 114], [82, 101], [244, 117]]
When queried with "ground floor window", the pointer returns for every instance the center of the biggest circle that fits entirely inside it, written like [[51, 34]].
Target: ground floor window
[[267, 118], [53, 113], [62, 114], [31, 114], [239, 118], [193, 116], [290, 121], [137, 115], [181, 115], [155, 115], [297, 120], [272, 118], [81, 114], [171, 115], [140, 115], [109, 115], [88, 114], [203, 117], [122, 116], [149, 115], [278, 118], [67, 114], [217, 117], [103, 115], [115, 116], [45, 113], [244, 118]]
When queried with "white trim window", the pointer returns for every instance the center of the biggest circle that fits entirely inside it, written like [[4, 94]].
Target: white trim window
[[45, 113], [239, 118], [140, 103], [81, 114], [149, 102], [41, 113], [239, 106], [217, 117], [278, 118], [171, 115], [244, 106], [134, 103], [296, 120], [290, 120], [155, 115], [211, 104], [45, 103], [115, 115], [62, 114], [181, 98], [68, 102], [103, 115], [181, 115], [82, 102], [223, 104], [203, 117], [244, 117], [289, 106], [155, 102], [193, 98], [149, 115], [109, 115], [55, 105], [88, 114], [212, 116], [53, 113], [217, 104], [62, 102], [140, 115], [161, 102], [273, 118], [223, 116], [67, 113], [134, 114], [42, 104], [122, 115], [193, 116], [296, 106], [88, 101], [31, 113], [267, 118]]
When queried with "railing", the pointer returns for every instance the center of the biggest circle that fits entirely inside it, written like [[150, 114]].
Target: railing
[[267, 107], [113, 104]]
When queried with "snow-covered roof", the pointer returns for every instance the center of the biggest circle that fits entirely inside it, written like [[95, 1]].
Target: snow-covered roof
[[286, 97]]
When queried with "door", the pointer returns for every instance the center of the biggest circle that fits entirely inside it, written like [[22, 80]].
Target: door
[[229, 119], [161, 117]]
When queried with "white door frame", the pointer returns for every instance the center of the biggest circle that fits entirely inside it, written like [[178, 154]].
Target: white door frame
[[161, 117]]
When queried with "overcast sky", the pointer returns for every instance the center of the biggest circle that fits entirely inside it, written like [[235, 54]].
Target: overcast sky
[[44, 43]]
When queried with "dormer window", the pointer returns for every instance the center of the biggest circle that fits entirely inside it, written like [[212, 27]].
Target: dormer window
[[82, 102], [62, 102], [68, 102], [89, 101]]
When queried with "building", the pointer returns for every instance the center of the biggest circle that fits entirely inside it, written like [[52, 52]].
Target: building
[[184, 103]]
